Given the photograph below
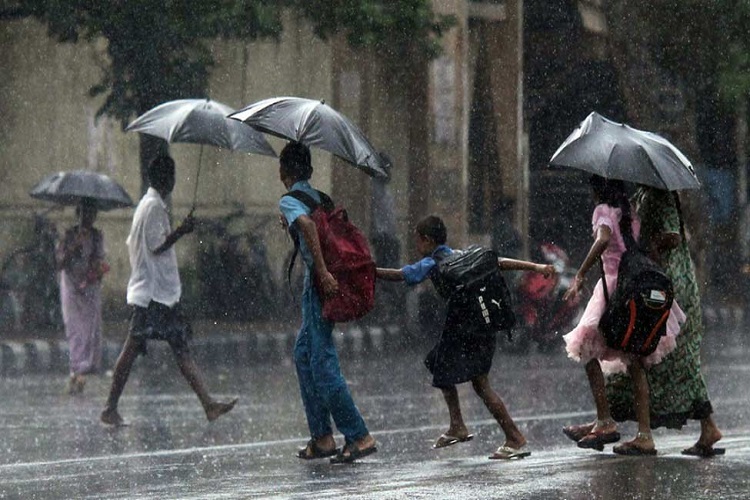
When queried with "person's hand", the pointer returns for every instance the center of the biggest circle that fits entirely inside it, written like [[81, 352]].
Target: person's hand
[[187, 226], [574, 288], [283, 223], [328, 284], [547, 270]]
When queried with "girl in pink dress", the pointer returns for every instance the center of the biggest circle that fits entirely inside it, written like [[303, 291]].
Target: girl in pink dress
[[614, 224]]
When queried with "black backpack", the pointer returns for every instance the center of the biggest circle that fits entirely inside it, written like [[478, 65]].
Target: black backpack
[[636, 315], [471, 281]]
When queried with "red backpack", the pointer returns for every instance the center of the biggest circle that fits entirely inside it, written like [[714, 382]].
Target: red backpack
[[347, 257]]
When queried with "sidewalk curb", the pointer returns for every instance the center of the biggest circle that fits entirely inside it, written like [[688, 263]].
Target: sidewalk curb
[[51, 356]]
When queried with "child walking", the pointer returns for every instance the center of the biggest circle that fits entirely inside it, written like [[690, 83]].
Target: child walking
[[462, 355], [615, 228]]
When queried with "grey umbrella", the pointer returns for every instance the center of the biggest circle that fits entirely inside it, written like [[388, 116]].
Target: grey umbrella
[[68, 188], [314, 123], [200, 121], [617, 151]]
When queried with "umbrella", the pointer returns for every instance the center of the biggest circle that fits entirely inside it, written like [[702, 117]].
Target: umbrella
[[68, 188], [617, 151], [314, 123], [200, 121]]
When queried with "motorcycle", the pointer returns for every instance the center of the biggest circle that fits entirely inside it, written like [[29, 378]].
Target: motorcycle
[[542, 314]]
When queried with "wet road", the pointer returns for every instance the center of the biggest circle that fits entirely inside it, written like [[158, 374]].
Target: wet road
[[53, 447]]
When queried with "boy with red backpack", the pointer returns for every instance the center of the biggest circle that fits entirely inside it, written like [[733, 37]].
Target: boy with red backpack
[[324, 391]]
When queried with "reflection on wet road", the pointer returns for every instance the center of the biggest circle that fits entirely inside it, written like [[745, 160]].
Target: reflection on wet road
[[53, 446]]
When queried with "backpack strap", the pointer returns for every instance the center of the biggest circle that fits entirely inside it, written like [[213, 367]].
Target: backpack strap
[[604, 280]]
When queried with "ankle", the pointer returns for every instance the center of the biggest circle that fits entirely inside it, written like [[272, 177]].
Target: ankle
[[604, 422], [644, 436]]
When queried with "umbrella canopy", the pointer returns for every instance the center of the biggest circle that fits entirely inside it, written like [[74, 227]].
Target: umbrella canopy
[[617, 151], [314, 123], [68, 188], [200, 121]]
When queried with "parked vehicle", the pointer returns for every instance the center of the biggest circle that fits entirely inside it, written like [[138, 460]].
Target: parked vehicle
[[542, 314]]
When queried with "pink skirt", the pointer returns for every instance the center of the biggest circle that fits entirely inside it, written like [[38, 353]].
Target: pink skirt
[[585, 342]]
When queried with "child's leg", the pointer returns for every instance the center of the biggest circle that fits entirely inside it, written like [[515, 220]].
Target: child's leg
[[594, 373], [641, 401], [643, 444], [513, 436], [457, 427]]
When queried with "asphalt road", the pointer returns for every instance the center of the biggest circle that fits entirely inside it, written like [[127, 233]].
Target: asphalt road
[[52, 446]]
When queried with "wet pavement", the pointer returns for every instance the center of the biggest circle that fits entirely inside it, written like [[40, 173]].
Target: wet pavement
[[53, 446]]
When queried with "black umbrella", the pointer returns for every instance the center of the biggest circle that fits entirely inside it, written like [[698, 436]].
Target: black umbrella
[[617, 151], [68, 188], [314, 123]]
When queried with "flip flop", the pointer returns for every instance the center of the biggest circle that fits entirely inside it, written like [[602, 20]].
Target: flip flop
[[510, 453], [447, 440], [315, 451], [632, 450], [354, 454], [703, 451], [577, 432], [596, 441]]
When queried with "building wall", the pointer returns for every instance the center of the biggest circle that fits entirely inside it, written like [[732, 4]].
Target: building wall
[[49, 125]]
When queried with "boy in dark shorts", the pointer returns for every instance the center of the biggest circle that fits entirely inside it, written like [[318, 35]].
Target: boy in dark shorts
[[154, 292], [462, 355]]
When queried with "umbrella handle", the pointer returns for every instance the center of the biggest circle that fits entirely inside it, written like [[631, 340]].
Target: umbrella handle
[[197, 178]]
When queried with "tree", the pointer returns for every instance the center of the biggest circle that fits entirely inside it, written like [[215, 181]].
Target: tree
[[157, 49]]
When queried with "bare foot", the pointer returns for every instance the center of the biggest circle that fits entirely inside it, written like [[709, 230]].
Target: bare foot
[[457, 432], [365, 442], [112, 417], [215, 409], [76, 384], [516, 442], [709, 438]]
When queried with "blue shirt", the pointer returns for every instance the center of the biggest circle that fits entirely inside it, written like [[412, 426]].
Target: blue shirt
[[420, 270], [291, 208]]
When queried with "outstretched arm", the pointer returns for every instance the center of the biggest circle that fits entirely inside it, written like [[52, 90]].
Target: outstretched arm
[[523, 265], [387, 274]]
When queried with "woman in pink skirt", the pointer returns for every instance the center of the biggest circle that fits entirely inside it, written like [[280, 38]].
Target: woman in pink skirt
[[614, 226]]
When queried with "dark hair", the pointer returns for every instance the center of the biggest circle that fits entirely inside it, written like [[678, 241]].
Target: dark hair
[[432, 227], [612, 192], [295, 161], [160, 170]]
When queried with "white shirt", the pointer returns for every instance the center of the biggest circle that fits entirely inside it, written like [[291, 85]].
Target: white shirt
[[152, 277]]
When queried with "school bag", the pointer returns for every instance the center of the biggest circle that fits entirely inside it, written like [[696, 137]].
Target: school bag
[[471, 281], [347, 257], [636, 315]]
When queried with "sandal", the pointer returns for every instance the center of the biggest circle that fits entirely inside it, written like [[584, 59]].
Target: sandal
[[448, 440], [631, 449], [578, 432], [596, 440], [312, 451], [510, 453], [703, 451], [350, 453]]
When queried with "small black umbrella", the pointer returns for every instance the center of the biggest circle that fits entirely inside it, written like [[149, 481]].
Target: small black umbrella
[[314, 123], [617, 151], [68, 188]]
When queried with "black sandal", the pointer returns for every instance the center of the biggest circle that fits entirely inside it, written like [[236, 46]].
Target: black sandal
[[354, 454], [312, 451]]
